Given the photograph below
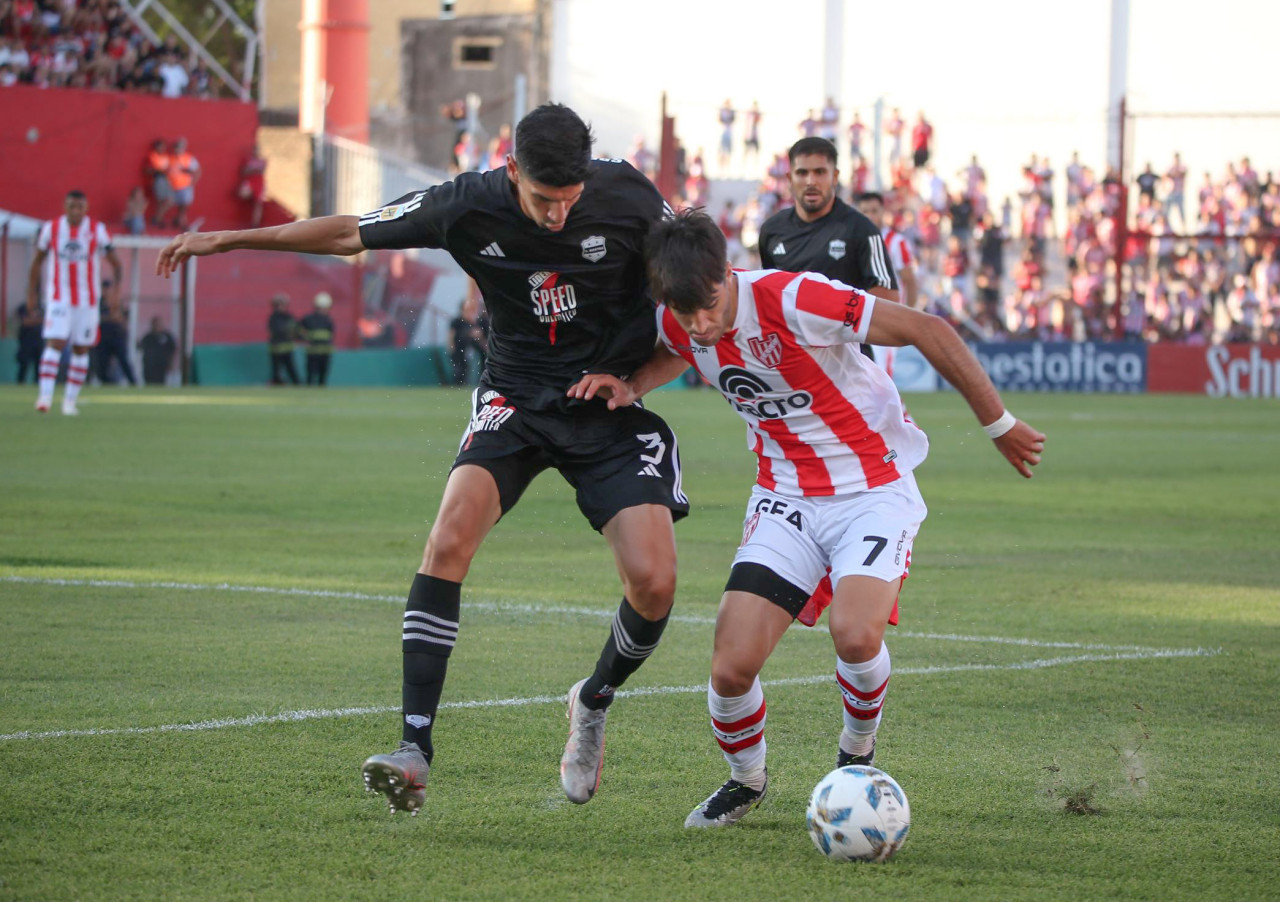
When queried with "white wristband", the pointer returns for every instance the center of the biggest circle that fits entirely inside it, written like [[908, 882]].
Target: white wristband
[[1006, 422]]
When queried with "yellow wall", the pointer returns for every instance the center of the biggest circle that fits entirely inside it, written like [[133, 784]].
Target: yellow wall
[[283, 44]]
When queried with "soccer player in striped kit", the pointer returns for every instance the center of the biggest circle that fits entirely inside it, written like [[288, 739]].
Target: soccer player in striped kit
[[834, 488], [68, 252]]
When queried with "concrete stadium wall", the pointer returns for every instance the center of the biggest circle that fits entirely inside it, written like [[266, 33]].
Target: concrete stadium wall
[[58, 139]]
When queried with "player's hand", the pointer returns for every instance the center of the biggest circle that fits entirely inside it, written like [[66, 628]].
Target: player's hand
[[602, 385], [1021, 446], [188, 244]]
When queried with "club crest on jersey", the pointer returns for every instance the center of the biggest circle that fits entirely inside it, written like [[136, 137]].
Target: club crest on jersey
[[554, 301], [593, 248], [836, 248], [767, 349]]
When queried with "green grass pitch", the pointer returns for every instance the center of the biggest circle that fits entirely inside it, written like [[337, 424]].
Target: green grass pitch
[[200, 600]]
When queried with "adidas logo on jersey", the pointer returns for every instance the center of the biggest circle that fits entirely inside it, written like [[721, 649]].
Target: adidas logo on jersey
[[492, 251], [649, 470], [778, 249]]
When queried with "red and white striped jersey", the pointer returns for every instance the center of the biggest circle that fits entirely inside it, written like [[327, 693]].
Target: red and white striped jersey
[[900, 252], [821, 417], [73, 267]]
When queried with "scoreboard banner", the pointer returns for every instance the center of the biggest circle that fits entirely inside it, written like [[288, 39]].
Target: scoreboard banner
[[1219, 371], [1085, 366]]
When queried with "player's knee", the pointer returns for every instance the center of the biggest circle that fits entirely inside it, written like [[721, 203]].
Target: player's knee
[[730, 679], [448, 551], [856, 642], [652, 590]]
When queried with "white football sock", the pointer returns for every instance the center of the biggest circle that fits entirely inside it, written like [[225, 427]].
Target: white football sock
[[738, 725], [863, 686]]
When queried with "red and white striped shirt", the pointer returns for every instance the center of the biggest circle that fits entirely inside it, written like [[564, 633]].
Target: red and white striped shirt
[[73, 268], [900, 253], [821, 417]]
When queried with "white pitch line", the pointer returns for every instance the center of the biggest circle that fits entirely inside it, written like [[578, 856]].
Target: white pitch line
[[525, 608], [332, 713]]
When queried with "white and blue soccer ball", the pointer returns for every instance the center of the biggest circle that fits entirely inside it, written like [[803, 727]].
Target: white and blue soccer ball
[[858, 813]]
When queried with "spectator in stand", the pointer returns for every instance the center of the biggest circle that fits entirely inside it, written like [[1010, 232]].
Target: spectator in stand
[[960, 212], [697, 188], [253, 185], [642, 158], [751, 141], [8, 77], [893, 128], [456, 113], [158, 163], [467, 153], [30, 318], [857, 129], [1175, 198], [282, 331], [135, 211], [921, 140], [173, 76], [1147, 181], [808, 125], [158, 348], [1075, 181], [727, 116], [829, 124], [184, 172]]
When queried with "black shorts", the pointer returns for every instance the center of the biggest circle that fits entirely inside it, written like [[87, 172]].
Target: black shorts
[[614, 459]]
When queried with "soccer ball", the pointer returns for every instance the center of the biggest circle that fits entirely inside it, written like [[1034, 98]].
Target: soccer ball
[[858, 813]]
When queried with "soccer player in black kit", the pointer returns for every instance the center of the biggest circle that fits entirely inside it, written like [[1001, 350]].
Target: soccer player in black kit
[[555, 242], [822, 233]]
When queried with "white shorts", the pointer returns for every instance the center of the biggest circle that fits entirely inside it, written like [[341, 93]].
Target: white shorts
[[868, 533], [78, 324]]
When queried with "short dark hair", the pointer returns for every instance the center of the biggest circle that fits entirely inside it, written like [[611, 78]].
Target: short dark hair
[[76, 194], [685, 257], [807, 146], [553, 146], [871, 195]]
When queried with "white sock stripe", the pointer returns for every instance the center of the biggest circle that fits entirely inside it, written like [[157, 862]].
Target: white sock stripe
[[414, 636], [628, 647], [415, 626], [431, 618]]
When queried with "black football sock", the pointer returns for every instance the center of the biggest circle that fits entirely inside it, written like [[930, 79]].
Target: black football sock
[[631, 640], [430, 631]]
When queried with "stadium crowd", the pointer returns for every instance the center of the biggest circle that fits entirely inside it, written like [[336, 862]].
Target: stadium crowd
[[1024, 270], [92, 44]]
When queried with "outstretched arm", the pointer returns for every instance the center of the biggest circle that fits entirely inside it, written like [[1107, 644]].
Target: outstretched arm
[[659, 369], [326, 235], [896, 325]]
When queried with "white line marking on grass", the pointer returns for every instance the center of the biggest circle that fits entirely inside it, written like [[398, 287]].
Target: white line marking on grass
[[523, 607], [332, 713]]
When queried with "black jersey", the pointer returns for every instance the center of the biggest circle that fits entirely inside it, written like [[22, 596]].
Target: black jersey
[[560, 303], [843, 245]]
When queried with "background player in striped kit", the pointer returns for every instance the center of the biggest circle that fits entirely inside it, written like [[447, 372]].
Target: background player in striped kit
[[903, 258], [835, 458], [69, 251]]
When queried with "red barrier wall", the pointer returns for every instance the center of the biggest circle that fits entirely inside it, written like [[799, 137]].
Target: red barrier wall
[[62, 138], [1220, 371]]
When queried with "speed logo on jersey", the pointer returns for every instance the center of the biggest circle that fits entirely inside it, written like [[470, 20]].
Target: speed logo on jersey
[[593, 248], [767, 349], [554, 301], [746, 390], [837, 248]]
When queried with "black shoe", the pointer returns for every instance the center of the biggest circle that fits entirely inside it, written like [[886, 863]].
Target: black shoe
[[727, 805], [844, 759]]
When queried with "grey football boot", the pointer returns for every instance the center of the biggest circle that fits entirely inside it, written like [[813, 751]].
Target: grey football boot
[[401, 776], [727, 805], [584, 752]]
